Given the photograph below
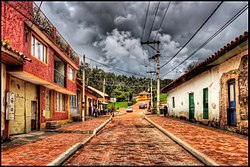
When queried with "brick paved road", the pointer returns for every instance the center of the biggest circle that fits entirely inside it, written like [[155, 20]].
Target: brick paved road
[[225, 148], [43, 148], [130, 140]]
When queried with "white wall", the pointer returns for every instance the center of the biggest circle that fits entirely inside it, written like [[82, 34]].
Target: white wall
[[208, 79]]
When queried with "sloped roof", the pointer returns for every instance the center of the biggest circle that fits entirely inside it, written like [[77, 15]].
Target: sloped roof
[[144, 93], [16, 55], [97, 91], [208, 63]]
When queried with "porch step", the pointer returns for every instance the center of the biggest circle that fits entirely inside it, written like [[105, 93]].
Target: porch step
[[52, 125]]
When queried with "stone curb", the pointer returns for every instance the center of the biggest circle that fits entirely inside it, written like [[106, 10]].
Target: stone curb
[[64, 156], [203, 158]]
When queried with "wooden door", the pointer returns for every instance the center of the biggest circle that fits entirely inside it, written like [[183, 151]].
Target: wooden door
[[205, 103], [33, 115], [191, 106], [231, 110]]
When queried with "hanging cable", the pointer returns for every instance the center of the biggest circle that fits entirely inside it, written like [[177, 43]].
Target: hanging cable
[[145, 21], [154, 20], [162, 20], [213, 36], [193, 35]]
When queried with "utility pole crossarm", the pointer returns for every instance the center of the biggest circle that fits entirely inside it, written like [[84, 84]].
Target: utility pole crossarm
[[152, 42], [157, 57]]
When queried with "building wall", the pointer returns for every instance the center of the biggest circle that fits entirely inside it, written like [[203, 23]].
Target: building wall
[[36, 67], [14, 29], [235, 68], [3, 87], [93, 100], [25, 93], [12, 26], [208, 79], [55, 115]]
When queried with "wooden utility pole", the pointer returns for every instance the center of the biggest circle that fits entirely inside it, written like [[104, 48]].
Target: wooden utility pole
[[104, 89], [157, 57], [158, 79], [83, 90], [151, 89]]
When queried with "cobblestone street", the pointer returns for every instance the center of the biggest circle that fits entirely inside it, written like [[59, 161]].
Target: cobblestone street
[[128, 139], [41, 148], [225, 148], [131, 140]]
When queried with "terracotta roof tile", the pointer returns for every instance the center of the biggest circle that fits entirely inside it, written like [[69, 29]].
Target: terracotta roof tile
[[6, 45], [229, 46]]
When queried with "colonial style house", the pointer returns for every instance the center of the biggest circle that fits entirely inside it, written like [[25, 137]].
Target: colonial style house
[[215, 92], [92, 97], [39, 90], [143, 96], [99, 98], [9, 57]]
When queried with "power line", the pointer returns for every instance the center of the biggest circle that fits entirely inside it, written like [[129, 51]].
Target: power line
[[145, 20], [113, 67], [162, 20], [193, 35], [154, 20], [213, 36]]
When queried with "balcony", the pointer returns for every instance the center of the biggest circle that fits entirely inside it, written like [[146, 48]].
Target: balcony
[[48, 28]]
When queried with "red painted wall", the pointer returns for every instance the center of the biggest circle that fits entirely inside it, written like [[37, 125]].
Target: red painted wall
[[12, 22], [37, 67], [55, 115], [14, 29], [71, 85]]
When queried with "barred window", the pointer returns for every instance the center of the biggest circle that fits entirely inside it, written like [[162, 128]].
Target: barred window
[[60, 102]]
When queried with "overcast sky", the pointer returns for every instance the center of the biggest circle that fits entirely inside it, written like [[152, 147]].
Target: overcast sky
[[111, 32]]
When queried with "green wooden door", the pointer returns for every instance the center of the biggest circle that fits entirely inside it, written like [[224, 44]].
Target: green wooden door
[[191, 105], [205, 103]]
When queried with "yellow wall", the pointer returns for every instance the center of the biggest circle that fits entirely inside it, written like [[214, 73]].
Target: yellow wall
[[3, 87], [143, 97], [25, 93]]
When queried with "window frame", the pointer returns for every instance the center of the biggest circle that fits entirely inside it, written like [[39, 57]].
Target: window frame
[[71, 74], [60, 102], [173, 102], [42, 57]]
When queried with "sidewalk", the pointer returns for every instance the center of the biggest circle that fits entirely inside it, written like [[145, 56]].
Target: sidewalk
[[226, 149], [41, 148]]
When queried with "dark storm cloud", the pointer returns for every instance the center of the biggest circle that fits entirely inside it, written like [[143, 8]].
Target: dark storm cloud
[[104, 30]]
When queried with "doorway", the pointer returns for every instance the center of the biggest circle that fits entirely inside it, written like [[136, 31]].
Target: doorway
[[191, 106], [33, 115], [231, 110]]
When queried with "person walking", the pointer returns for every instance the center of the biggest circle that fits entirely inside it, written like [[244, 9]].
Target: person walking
[[165, 110], [112, 110]]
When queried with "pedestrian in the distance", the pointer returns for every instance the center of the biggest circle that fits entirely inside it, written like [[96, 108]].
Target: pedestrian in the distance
[[165, 110]]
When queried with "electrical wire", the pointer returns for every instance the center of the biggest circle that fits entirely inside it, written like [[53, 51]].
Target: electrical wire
[[193, 35], [154, 20], [162, 20], [113, 68], [145, 21], [213, 36]]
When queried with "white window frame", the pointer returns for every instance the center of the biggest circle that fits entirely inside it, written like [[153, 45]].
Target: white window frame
[[71, 74], [38, 49], [60, 102]]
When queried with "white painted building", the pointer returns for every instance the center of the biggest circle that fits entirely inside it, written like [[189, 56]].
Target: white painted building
[[214, 91]]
